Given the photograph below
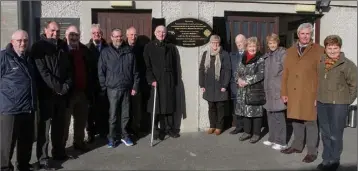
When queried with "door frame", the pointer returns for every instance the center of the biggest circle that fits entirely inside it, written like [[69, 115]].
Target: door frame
[[315, 17], [95, 11]]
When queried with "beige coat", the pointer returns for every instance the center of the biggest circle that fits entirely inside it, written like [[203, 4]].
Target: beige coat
[[299, 81]]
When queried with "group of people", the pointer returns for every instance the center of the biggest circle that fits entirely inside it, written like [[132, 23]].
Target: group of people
[[104, 87], [308, 85], [98, 84]]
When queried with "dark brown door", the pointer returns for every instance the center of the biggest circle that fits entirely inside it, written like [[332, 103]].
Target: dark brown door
[[123, 19], [249, 26]]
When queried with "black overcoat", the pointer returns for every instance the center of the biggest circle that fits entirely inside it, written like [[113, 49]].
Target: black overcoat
[[161, 66]]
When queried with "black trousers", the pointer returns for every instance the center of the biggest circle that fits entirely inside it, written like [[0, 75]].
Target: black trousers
[[97, 122], [119, 105], [252, 125], [16, 130], [216, 114], [165, 122], [52, 114], [239, 121]]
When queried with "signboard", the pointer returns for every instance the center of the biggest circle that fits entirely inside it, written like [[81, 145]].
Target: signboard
[[189, 32], [62, 22]]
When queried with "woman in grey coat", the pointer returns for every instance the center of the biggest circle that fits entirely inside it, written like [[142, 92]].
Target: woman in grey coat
[[274, 105], [250, 96], [214, 79]]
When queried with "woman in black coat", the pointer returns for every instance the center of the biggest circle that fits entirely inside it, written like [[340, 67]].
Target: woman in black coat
[[214, 79]]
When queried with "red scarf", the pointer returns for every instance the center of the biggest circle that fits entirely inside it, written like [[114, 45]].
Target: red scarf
[[249, 57]]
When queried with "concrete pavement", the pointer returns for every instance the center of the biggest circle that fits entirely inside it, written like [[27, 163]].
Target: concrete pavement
[[199, 151]]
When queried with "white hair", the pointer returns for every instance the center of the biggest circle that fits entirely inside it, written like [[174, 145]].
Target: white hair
[[240, 36], [305, 26], [14, 35], [96, 26]]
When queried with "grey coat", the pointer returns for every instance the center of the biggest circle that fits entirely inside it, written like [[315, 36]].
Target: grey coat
[[272, 82], [207, 80], [252, 72]]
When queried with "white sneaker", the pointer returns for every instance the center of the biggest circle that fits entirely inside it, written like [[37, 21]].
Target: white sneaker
[[268, 143], [279, 147]]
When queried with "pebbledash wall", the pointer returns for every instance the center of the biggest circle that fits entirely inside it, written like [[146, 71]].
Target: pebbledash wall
[[341, 20]]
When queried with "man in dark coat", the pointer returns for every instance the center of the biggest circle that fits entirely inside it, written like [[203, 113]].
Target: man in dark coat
[[54, 81], [118, 76], [161, 63], [97, 122], [17, 102], [236, 57], [139, 123], [82, 91]]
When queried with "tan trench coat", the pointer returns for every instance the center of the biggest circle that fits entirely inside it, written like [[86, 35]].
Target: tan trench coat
[[299, 81]]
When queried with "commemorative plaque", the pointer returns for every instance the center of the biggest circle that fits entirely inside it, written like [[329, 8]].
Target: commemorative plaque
[[189, 32]]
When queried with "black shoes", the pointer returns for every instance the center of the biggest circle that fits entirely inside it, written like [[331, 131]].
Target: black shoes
[[81, 147], [236, 131], [245, 136], [328, 167]]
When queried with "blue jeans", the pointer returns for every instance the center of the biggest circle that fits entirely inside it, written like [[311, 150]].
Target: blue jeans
[[332, 120]]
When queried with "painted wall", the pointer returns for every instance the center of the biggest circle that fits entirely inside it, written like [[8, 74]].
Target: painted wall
[[9, 21], [340, 20]]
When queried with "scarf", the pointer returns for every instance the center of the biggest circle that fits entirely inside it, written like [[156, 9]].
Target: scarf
[[249, 57], [216, 53], [329, 62]]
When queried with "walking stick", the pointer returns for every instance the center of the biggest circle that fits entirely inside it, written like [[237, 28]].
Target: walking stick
[[153, 117]]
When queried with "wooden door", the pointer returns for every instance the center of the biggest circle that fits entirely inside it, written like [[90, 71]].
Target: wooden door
[[123, 19], [250, 26]]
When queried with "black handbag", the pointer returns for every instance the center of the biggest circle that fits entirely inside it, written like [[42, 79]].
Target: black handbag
[[255, 94]]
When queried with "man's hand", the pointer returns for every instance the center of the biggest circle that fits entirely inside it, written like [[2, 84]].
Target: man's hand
[[315, 103], [223, 89], [284, 99], [202, 90], [154, 84], [133, 92]]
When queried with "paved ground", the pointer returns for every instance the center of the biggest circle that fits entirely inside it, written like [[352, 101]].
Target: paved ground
[[199, 151]]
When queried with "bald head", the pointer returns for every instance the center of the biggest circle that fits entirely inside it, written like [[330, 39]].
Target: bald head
[[240, 41], [72, 35], [160, 32], [131, 35], [19, 41]]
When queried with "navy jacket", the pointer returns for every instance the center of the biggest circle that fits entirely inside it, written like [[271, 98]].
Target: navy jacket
[[235, 60], [117, 69], [17, 83]]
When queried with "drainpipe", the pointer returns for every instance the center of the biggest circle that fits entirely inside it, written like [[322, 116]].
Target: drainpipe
[[31, 24], [19, 15]]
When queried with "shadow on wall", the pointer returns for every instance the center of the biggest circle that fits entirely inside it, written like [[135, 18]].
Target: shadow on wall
[[180, 96]]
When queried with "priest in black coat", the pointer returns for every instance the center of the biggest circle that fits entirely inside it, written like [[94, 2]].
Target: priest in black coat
[[161, 73]]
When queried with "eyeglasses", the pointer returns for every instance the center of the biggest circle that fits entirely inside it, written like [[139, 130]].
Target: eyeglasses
[[22, 40]]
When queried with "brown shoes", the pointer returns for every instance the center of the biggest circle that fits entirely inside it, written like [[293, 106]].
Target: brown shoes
[[217, 131], [290, 150], [214, 130], [211, 130], [309, 158]]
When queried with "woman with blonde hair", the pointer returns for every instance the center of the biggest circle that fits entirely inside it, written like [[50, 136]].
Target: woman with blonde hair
[[274, 106], [214, 79], [251, 95]]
